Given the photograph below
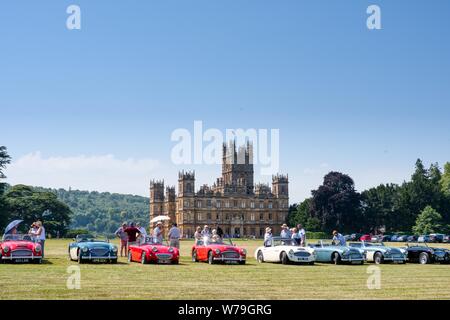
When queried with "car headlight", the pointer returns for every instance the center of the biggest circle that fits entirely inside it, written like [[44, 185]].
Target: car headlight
[[114, 249], [6, 249], [155, 249], [171, 250], [38, 248], [217, 251], [85, 249], [291, 252], [244, 252]]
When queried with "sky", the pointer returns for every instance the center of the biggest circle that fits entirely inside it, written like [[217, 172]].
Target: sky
[[95, 108]]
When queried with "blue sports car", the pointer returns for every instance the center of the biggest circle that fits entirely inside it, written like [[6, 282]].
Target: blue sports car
[[86, 248]]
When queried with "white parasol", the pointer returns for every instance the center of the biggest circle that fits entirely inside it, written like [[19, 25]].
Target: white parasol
[[160, 219]]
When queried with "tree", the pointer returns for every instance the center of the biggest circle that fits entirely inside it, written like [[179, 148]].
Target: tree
[[4, 160], [25, 203], [445, 180], [336, 204], [429, 221]]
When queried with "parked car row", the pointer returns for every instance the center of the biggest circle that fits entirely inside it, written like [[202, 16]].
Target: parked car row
[[432, 238], [86, 248]]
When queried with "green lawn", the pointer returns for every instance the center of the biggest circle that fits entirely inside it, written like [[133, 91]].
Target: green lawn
[[201, 281]]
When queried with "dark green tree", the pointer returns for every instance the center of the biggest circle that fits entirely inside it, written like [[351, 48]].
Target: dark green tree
[[25, 203], [336, 204], [5, 159]]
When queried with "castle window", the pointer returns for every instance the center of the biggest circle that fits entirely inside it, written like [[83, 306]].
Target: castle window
[[252, 231], [252, 217], [208, 203], [262, 232], [199, 217], [227, 217], [252, 205], [227, 204], [199, 204], [218, 203], [235, 203], [209, 217], [270, 205], [261, 216], [243, 204], [270, 217], [186, 204], [261, 205], [217, 216]]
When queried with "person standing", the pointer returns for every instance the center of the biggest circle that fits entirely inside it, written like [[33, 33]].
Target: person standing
[[40, 235], [174, 236], [268, 237], [205, 232], [302, 235], [295, 236], [198, 235], [123, 236], [132, 233], [285, 232], [158, 233], [219, 231], [339, 239], [143, 234]]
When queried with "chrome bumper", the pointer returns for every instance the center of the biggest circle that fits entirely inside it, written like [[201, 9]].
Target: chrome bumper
[[99, 258]]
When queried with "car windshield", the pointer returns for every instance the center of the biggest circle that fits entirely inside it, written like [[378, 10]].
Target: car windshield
[[90, 238], [215, 240], [154, 241], [284, 242], [18, 237]]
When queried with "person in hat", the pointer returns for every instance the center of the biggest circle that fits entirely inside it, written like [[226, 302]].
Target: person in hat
[[268, 237], [40, 235], [285, 232], [339, 239], [123, 236], [158, 233], [205, 232]]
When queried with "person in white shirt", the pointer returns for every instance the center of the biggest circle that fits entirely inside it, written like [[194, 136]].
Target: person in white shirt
[[174, 236], [339, 239], [295, 236], [285, 232], [158, 233], [198, 235], [302, 235], [40, 235], [268, 237], [206, 232], [142, 235]]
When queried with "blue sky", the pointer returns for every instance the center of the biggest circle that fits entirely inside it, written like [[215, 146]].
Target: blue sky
[[94, 108]]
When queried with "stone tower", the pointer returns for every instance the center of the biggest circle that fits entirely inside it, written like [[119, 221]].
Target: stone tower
[[237, 168], [280, 186], [156, 198]]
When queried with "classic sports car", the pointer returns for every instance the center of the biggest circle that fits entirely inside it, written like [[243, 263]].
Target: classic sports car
[[212, 252], [86, 248], [285, 251], [423, 254], [20, 248], [152, 252], [327, 252], [379, 253]]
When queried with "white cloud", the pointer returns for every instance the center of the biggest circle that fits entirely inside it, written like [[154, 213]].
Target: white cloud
[[96, 172]]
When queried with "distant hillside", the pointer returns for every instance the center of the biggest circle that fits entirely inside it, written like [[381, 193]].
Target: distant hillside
[[102, 212]]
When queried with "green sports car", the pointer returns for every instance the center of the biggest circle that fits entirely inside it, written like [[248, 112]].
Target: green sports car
[[86, 248]]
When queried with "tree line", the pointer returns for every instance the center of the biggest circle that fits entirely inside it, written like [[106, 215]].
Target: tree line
[[419, 206]]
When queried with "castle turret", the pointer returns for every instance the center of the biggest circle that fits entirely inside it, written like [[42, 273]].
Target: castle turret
[[280, 186], [156, 198]]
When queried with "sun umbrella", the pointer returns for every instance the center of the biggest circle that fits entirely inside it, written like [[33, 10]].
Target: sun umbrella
[[160, 218], [12, 225]]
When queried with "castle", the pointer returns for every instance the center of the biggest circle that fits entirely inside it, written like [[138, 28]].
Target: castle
[[234, 202]]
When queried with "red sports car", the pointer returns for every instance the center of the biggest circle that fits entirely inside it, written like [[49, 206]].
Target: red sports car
[[366, 238], [212, 252], [20, 248], [152, 252]]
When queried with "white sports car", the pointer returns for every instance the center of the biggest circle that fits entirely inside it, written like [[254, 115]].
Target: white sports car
[[285, 251]]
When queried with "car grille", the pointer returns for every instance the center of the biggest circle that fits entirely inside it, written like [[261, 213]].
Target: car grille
[[99, 252], [355, 256], [22, 253], [164, 256], [302, 254], [230, 255]]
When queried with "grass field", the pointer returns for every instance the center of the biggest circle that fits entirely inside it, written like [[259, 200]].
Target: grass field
[[202, 281]]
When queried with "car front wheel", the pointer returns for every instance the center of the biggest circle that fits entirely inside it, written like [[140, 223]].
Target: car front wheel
[[424, 258], [210, 258], [194, 256], [284, 258], [260, 257], [378, 258], [129, 257], [143, 258], [336, 258]]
